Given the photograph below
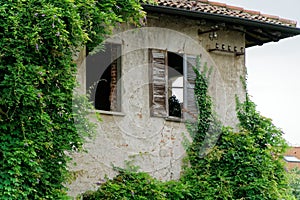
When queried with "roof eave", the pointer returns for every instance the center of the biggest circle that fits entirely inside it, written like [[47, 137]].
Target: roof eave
[[288, 31]]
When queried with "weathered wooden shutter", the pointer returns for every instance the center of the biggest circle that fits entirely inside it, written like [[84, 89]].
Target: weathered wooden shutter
[[190, 108], [158, 82], [115, 88]]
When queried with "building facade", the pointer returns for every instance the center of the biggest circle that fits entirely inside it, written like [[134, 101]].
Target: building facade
[[142, 84]]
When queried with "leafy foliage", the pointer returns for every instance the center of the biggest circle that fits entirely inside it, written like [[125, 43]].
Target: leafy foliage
[[241, 165], [295, 181], [128, 186], [38, 39], [137, 185], [174, 107]]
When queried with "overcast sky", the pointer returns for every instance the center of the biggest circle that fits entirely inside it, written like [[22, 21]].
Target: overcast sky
[[274, 69]]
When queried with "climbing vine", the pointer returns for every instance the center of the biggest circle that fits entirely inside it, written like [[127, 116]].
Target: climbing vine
[[247, 164], [38, 39]]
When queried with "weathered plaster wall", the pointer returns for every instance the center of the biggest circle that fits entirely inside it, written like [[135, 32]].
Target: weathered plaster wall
[[231, 68], [228, 68], [155, 144]]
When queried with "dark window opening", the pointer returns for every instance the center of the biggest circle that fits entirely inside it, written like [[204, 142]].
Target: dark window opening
[[175, 84], [102, 92], [103, 73]]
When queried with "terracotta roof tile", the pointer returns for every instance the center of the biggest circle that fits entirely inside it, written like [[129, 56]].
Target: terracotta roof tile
[[252, 12], [234, 8], [217, 4], [206, 6], [288, 21], [270, 16]]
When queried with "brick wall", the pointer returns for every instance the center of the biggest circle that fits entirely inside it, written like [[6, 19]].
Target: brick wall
[[293, 151], [114, 81], [113, 87]]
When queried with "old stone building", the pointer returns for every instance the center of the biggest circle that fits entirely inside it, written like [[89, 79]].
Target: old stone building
[[142, 84]]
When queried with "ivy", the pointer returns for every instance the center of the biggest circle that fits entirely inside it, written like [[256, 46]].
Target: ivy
[[247, 164], [40, 119]]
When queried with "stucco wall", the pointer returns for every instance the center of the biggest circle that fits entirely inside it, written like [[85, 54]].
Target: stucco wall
[[155, 144]]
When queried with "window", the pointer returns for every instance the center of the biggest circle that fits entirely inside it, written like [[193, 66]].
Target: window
[[172, 84], [175, 84], [103, 73]]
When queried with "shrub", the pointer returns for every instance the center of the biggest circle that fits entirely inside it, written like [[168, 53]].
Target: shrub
[[247, 164], [295, 181], [128, 185]]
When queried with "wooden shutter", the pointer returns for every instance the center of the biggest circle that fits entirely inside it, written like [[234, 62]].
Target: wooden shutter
[[158, 83], [115, 88], [190, 108]]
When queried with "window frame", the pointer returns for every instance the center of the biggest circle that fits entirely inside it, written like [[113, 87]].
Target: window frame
[[119, 62], [185, 114]]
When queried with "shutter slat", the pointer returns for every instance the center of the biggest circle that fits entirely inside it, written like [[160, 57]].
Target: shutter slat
[[158, 85]]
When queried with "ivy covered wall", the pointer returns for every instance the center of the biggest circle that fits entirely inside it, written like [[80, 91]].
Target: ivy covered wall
[[38, 39]]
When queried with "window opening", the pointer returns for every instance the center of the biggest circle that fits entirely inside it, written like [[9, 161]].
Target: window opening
[[172, 81], [175, 84], [103, 73]]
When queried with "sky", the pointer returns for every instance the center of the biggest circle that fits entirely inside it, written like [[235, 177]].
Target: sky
[[274, 70]]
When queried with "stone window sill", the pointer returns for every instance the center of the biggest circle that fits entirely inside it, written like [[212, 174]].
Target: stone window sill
[[174, 119], [104, 112]]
